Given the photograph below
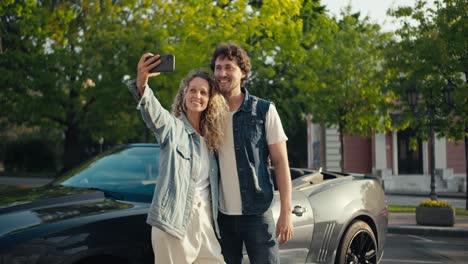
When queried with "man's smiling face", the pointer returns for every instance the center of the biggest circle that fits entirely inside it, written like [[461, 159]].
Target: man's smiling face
[[227, 74]]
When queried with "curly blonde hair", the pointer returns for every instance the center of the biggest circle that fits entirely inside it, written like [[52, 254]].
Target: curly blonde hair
[[212, 118]]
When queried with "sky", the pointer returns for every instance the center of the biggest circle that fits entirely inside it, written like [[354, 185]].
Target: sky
[[375, 9]]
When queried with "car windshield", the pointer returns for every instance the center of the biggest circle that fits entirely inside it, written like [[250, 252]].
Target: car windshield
[[130, 170]]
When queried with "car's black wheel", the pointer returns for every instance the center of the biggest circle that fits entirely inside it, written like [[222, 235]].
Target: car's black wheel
[[358, 245]]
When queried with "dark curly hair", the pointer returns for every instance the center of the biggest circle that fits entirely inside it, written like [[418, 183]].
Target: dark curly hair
[[233, 52]]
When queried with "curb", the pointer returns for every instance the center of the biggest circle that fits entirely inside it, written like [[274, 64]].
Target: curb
[[425, 231]]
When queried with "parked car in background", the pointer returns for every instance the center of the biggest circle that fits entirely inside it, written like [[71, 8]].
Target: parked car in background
[[96, 213]]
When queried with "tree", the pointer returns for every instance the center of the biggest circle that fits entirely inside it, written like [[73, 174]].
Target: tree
[[277, 72], [269, 31], [63, 63], [59, 69], [429, 54], [349, 92]]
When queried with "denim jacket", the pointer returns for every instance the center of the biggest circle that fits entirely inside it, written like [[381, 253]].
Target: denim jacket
[[173, 197], [252, 154]]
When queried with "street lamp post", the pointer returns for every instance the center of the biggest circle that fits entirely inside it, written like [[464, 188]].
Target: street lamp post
[[413, 101], [432, 194]]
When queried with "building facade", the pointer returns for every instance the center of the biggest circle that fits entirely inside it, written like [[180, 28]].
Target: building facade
[[401, 162]]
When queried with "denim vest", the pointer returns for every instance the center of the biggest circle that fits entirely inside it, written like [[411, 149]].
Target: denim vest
[[174, 193], [252, 155]]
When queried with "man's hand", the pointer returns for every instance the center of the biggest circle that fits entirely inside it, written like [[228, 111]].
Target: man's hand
[[284, 227], [279, 159], [144, 66]]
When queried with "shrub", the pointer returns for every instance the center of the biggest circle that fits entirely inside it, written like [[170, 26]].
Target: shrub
[[30, 154]]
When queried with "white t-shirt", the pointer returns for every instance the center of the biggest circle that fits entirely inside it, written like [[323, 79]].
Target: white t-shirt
[[202, 182], [230, 202]]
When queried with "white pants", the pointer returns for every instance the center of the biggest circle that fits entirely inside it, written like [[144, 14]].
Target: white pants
[[198, 246]]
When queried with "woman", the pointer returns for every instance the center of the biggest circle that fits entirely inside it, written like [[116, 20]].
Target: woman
[[184, 208]]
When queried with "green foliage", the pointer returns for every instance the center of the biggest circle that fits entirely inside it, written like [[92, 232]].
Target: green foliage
[[61, 68], [401, 209], [349, 88], [429, 52], [30, 154], [63, 64], [280, 70], [339, 77]]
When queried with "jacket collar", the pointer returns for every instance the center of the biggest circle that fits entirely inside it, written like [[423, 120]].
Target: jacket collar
[[188, 127], [246, 105]]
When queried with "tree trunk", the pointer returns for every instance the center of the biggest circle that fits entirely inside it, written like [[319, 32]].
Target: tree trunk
[[466, 170], [466, 155], [71, 152]]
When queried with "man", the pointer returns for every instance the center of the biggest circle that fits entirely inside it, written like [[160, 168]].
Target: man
[[253, 136]]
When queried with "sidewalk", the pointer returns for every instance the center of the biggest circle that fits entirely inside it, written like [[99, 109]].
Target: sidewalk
[[405, 223], [398, 223]]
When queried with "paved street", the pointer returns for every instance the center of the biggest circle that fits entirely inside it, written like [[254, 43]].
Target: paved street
[[412, 249]]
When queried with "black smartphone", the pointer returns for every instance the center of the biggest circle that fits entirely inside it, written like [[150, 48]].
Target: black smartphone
[[167, 63]]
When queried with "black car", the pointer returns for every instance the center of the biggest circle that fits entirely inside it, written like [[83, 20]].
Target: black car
[[96, 213]]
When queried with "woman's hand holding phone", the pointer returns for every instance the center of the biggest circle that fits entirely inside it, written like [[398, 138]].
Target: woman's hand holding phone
[[147, 62], [152, 65]]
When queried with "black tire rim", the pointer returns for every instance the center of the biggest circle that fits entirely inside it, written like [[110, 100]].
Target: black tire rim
[[361, 249]]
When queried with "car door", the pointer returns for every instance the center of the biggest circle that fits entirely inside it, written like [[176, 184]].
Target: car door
[[296, 250]]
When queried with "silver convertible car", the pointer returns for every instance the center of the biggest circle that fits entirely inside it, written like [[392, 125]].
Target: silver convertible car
[[96, 214]]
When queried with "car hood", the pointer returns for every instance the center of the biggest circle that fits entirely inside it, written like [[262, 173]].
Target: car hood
[[25, 209]]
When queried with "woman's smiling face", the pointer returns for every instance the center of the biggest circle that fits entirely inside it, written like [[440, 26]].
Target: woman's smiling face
[[197, 95]]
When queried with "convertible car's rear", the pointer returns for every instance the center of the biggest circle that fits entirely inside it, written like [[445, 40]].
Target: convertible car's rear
[[338, 218]]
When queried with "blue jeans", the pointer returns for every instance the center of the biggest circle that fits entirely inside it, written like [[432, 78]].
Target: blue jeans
[[257, 232]]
